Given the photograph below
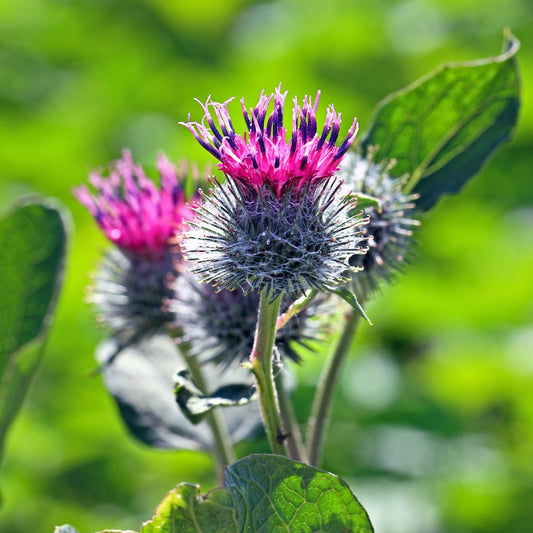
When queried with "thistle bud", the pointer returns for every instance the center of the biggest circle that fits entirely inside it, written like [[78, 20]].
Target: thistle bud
[[391, 225], [134, 280]]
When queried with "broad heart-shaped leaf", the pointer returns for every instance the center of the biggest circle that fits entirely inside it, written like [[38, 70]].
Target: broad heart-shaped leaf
[[275, 494], [195, 405], [443, 127], [141, 379], [264, 494], [33, 240]]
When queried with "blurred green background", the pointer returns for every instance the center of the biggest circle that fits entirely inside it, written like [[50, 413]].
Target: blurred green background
[[433, 423]]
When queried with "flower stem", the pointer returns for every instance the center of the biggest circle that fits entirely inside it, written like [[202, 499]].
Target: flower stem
[[299, 305], [261, 366], [224, 452], [320, 411], [295, 444]]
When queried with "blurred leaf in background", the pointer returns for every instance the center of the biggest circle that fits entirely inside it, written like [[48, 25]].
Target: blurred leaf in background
[[433, 422], [33, 239]]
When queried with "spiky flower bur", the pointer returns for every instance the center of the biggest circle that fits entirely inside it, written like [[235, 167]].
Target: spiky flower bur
[[390, 228], [142, 220], [220, 325], [256, 242], [280, 223]]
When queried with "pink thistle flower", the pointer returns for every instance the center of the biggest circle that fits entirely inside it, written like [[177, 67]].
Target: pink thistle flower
[[264, 156], [134, 214], [131, 288]]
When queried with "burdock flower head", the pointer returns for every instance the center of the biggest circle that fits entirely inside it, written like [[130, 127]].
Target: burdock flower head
[[141, 219], [391, 224], [279, 224]]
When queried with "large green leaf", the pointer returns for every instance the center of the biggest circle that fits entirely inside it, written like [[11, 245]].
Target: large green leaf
[[264, 494], [443, 127], [32, 242], [275, 494]]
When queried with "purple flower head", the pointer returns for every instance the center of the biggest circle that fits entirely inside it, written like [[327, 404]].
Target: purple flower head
[[132, 211], [264, 155], [280, 223]]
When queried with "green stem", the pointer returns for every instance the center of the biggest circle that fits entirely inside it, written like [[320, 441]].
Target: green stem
[[295, 445], [320, 411], [261, 366], [224, 452], [299, 305]]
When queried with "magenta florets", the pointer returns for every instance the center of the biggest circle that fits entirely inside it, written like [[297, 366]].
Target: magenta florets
[[264, 155], [133, 213]]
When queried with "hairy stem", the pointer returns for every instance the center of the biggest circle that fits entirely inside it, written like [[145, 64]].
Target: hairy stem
[[320, 411], [261, 366], [224, 452], [295, 443]]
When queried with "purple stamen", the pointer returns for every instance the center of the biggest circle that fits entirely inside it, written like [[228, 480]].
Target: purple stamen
[[246, 116], [335, 128], [327, 129], [261, 142], [294, 140], [270, 125]]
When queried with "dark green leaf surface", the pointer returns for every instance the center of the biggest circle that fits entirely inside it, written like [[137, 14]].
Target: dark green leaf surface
[[194, 404], [32, 243], [442, 128], [273, 494], [184, 510]]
